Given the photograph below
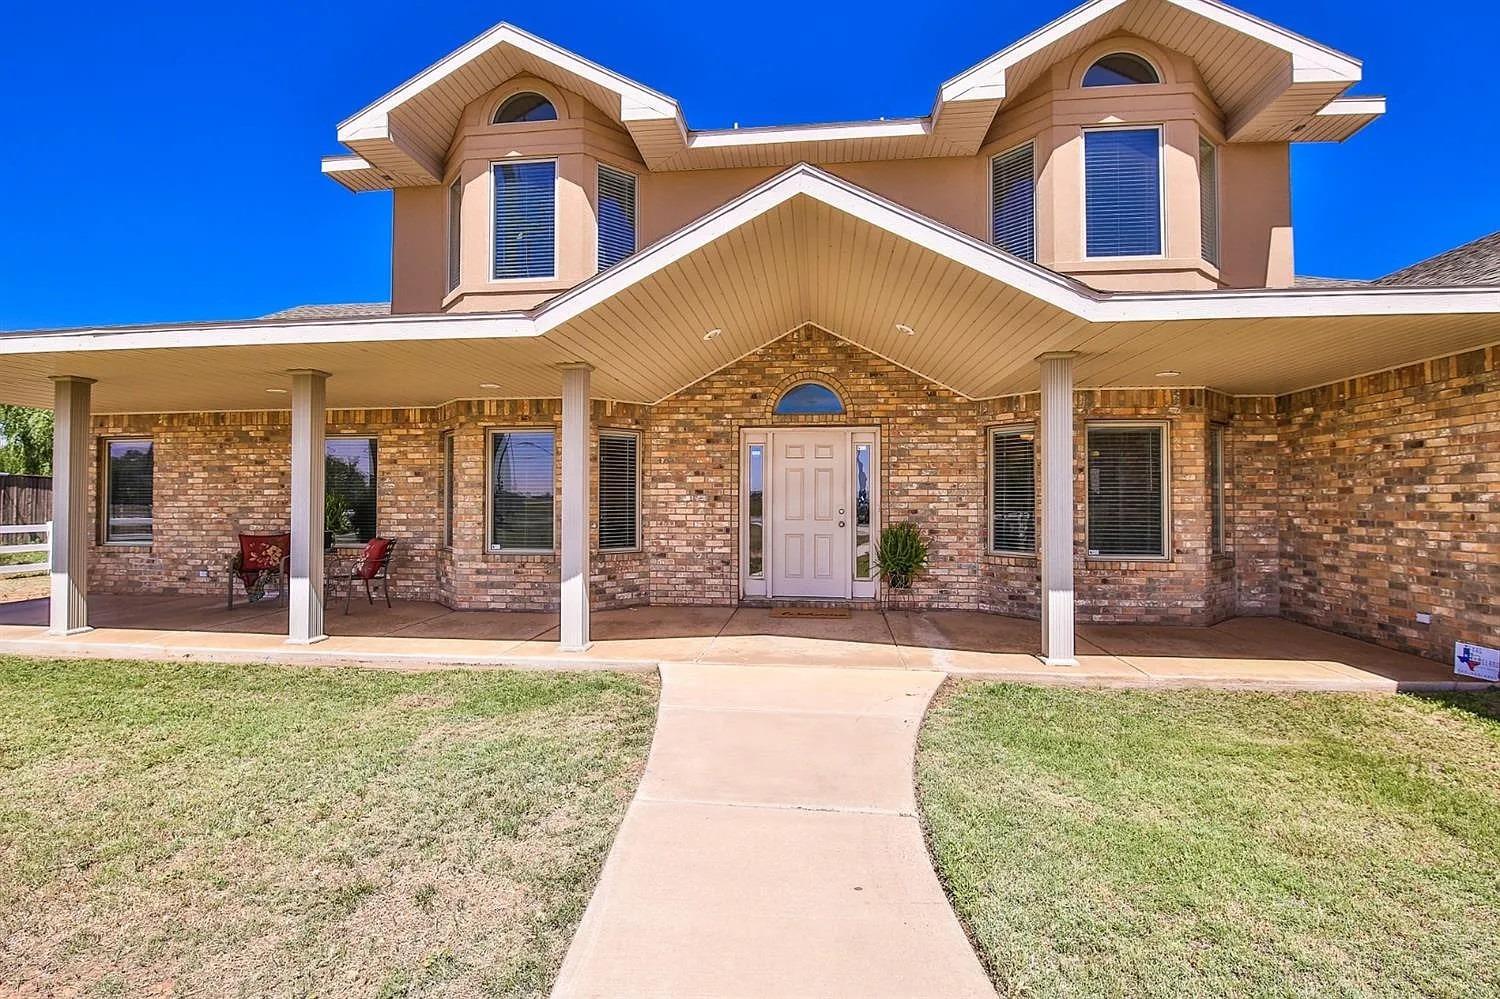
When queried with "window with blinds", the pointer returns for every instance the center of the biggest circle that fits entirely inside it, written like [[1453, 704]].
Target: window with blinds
[[128, 492], [349, 469], [616, 216], [1013, 201], [1013, 490], [1122, 191], [1208, 199], [1216, 487], [525, 219], [521, 490], [448, 490], [619, 456], [1127, 491], [455, 206]]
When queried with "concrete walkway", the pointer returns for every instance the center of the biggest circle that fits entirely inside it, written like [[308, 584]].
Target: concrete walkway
[[773, 848]]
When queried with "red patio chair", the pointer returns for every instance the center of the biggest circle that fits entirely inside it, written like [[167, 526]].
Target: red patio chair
[[373, 567], [263, 559]]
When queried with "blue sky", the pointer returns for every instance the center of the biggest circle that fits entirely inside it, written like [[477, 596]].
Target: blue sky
[[160, 162]]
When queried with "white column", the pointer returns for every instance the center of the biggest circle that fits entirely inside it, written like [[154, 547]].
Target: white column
[[574, 630], [309, 411], [70, 505], [1057, 509]]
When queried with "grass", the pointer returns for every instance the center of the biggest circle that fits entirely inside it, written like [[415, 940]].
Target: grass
[[239, 831], [1114, 843]]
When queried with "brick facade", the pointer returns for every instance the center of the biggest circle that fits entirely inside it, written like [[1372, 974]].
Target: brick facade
[[1351, 507]]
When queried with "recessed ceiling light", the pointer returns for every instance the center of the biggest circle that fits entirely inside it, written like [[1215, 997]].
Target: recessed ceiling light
[[903, 328], [276, 391], [712, 334], [489, 385], [1169, 373]]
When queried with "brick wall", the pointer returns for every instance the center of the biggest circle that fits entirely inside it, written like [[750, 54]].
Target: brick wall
[[1392, 504], [1352, 507]]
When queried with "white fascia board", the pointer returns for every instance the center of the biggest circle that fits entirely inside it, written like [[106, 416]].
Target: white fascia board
[[894, 128], [986, 80], [635, 99], [254, 333], [345, 163], [1373, 106], [1302, 303]]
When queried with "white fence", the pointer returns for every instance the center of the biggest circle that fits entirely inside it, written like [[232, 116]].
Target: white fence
[[26, 546]]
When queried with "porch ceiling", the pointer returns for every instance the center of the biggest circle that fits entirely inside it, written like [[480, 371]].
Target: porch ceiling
[[804, 247]]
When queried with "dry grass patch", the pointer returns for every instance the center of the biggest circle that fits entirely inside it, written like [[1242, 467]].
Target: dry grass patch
[[239, 830], [1199, 844]]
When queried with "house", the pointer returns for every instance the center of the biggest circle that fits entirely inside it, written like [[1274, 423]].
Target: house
[[1054, 322]]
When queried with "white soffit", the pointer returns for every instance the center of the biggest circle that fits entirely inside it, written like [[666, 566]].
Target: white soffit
[[809, 247]]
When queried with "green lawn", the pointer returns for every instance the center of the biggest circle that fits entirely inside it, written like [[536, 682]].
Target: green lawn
[[1112, 843], [247, 830]]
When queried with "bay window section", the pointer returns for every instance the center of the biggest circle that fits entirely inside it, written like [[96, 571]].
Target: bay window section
[[522, 490], [1208, 199], [1013, 491], [1013, 201], [349, 469], [1122, 192], [128, 488], [455, 244], [616, 216], [1127, 491], [525, 220]]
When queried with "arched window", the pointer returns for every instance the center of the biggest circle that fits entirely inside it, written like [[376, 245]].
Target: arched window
[[809, 399], [1120, 69], [525, 107]]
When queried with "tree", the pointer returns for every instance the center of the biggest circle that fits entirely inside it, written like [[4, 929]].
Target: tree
[[25, 440]]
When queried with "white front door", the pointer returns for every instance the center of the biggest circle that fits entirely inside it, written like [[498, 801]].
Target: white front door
[[810, 511]]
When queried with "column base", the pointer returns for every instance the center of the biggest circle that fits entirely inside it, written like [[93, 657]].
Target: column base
[[69, 632], [1050, 661], [307, 641], [575, 648]]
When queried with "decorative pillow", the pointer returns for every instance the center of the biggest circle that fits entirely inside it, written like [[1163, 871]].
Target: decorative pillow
[[261, 552], [371, 557]]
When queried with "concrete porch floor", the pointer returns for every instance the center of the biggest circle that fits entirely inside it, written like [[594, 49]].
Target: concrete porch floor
[[1266, 653]]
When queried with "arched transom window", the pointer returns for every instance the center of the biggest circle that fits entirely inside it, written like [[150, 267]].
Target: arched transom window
[[1120, 69], [809, 399], [525, 107]]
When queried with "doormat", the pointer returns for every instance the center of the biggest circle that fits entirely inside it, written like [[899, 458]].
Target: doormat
[[813, 612]]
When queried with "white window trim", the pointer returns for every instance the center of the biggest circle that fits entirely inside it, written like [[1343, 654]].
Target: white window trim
[[990, 192], [556, 229], [489, 490], [1161, 78], [104, 443], [494, 111], [635, 223], [1165, 426], [375, 474], [1161, 187], [599, 476], [989, 481]]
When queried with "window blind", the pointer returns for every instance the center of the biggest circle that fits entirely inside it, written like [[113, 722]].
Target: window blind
[[1122, 183], [349, 472], [525, 219], [1208, 199], [1216, 487], [1013, 201], [521, 490], [128, 519], [616, 216], [1013, 490], [448, 490], [618, 479], [455, 206], [1126, 495]]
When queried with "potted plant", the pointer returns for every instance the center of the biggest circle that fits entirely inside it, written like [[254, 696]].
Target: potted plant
[[338, 518], [901, 555]]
